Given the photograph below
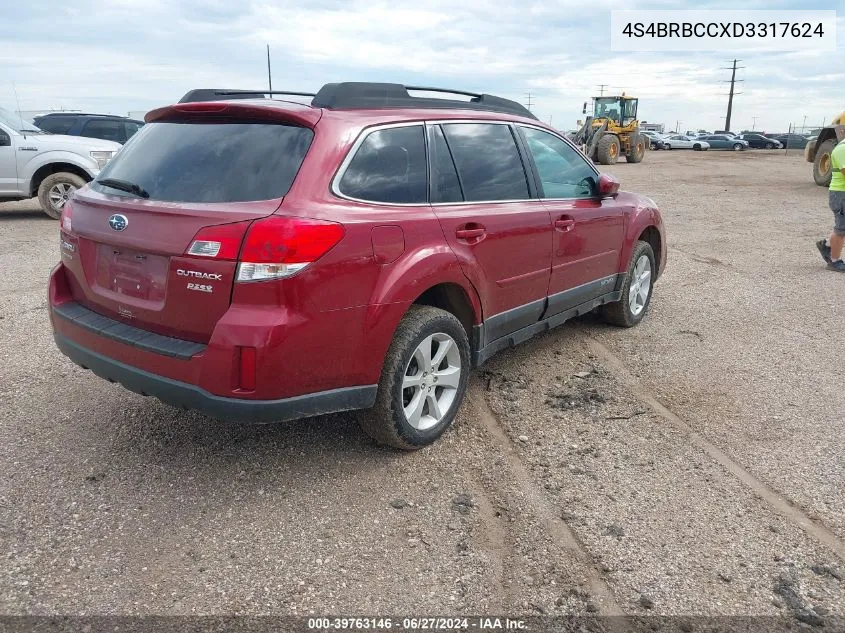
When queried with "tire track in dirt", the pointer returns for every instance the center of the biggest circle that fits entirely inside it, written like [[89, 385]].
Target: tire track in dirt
[[495, 540], [783, 506], [555, 527]]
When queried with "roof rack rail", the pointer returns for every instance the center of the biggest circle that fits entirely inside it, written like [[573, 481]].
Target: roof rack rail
[[355, 94], [222, 94], [351, 95]]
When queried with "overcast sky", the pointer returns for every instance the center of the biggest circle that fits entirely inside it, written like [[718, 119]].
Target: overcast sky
[[133, 55]]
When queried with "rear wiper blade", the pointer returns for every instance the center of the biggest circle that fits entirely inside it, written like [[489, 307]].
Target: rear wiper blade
[[124, 185]]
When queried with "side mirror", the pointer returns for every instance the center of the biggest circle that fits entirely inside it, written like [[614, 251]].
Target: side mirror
[[608, 186], [585, 108], [5, 141]]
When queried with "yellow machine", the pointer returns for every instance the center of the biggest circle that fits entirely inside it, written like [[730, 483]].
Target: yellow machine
[[818, 151], [612, 130]]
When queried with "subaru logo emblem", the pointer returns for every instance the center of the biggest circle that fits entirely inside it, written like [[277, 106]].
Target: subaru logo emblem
[[118, 222]]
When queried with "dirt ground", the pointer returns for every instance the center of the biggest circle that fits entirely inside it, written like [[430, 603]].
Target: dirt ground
[[691, 465]]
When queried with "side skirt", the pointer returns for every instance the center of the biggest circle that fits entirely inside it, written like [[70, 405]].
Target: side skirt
[[481, 354]]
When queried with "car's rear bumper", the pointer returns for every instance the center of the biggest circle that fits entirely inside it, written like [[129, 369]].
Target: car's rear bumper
[[184, 395]]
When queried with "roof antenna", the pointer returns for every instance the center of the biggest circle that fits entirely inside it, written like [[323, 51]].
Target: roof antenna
[[20, 116]]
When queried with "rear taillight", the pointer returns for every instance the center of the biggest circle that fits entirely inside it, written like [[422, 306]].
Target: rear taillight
[[277, 247], [67, 214], [222, 241]]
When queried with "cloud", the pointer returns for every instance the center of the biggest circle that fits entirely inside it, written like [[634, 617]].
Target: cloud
[[122, 55]]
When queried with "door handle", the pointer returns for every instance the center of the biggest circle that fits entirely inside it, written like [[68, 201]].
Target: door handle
[[564, 224], [474, 233]]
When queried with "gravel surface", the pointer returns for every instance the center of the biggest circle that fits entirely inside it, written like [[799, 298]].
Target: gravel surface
[[591, 470]]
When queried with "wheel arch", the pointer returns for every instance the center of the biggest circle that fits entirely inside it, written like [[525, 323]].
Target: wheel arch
[[651, 235], [51, 168]]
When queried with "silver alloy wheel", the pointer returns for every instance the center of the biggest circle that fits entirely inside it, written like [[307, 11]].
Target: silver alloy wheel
[[59, 194], [738, 147], [640, 285], [430, 382]]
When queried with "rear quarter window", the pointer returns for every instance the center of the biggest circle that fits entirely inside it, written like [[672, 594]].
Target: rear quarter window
[[55, 125], [389, 167], [211, 162]]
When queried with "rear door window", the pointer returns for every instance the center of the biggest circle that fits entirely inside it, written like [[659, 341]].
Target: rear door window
[[488, 161], [211, 162], [563, 172], [104, 129], [389, 166]]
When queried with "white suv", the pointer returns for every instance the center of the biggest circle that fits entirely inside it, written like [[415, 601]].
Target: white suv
[[50, 166]]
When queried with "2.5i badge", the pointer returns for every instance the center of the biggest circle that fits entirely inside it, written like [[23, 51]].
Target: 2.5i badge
[[201, 287]]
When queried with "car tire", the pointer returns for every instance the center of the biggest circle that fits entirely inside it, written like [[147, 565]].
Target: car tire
[[770, 145], [411, 410], [667, 146], [55, 190], [738, 147], [607, 150], [822, 172], [697, 147], [633, 305]]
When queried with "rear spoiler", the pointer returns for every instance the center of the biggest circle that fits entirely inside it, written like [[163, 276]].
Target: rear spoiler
[[276, 111]]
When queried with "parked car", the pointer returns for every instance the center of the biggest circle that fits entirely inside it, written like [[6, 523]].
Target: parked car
[[722, 141], [655, 139], [758, 141], [104, 126], [726, 133], [682, 141], [326, 261], [792, 141], [50, 166]]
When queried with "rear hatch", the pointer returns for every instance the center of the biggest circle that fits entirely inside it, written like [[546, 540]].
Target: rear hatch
[[154, 240]]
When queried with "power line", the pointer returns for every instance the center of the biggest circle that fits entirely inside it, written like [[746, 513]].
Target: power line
[[529, 103], [733, 81]]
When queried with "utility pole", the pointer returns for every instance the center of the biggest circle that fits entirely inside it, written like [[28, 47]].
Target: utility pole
[[677, 126], [733, 81], [601, 88], [804, 125], [269, 75], [529, 103], [754, 124]]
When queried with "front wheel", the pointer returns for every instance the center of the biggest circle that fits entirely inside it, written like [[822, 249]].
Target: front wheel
[[423, 380], [667, 146], [697, 147], [738, 147], [770, 145], [636, 289], [55, 190]]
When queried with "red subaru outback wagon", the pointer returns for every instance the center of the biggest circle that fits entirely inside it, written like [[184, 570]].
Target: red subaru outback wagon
[[263, 260]]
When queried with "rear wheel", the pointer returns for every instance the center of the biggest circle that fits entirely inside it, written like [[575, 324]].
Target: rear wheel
[[423, 380], [697, 147], [636, 289], [607, 151], [822, 172], [55, 190], [637, 150]]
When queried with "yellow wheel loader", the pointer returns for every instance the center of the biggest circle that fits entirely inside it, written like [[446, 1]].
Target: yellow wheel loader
[[612, 131], [818, 151]]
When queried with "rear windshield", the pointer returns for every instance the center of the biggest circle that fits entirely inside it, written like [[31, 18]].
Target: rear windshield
[[210, 162]]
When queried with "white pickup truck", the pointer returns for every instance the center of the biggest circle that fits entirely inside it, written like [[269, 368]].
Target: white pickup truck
[[50, 166]]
